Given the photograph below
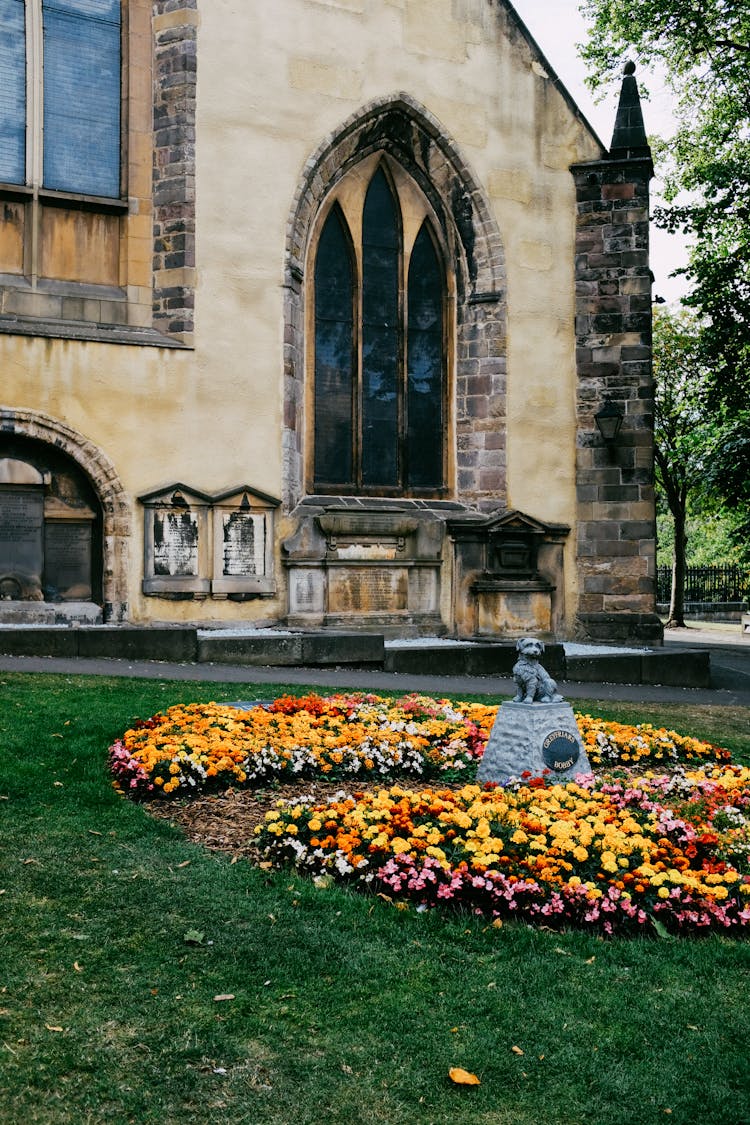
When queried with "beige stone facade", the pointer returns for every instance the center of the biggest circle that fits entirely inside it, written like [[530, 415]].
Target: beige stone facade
[[163, 343]]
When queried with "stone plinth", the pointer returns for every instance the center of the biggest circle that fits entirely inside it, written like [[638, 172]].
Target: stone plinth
[[533, 737]]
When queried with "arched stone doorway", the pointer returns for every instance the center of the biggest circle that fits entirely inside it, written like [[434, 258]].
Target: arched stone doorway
[[64, 525]]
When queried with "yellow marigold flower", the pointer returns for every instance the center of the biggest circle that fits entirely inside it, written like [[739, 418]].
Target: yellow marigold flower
[[580, 854], [399, 844], [519, 836], [315, 825], [663, 892]]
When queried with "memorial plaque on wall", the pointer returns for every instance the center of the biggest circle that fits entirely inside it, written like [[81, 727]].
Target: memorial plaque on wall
[[176, 544], [21, 543], [67, 560], [244, 536]]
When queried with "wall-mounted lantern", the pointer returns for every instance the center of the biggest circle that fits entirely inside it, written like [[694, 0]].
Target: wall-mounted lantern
[[609, 422]]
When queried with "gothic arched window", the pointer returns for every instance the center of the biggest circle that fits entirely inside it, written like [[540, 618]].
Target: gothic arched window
[[379, 342]]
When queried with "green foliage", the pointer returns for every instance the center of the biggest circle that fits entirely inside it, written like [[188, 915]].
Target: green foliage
[[684, 428], [702, 51], [709, 538], [345, 1009]]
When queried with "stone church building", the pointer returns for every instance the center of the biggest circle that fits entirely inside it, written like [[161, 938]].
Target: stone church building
[[316, 313]]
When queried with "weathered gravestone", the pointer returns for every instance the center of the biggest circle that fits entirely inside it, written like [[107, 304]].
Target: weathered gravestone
[[537, 730]]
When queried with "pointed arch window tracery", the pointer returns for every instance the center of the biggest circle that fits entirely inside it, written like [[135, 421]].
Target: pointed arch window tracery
[[380, 322]]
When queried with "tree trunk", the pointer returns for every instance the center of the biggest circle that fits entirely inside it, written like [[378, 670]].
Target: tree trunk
[[676, 618]]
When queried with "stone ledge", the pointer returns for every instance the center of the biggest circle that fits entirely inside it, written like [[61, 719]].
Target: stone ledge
[[78, 330], [670, 669], [474, 659]]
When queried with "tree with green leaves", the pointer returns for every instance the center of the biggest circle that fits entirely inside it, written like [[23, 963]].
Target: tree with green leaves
[[684, 433], [702, 49]]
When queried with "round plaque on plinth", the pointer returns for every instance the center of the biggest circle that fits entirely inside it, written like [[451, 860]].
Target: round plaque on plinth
[[560, 750]]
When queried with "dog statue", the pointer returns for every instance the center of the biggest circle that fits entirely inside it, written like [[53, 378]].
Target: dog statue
[[535, 685]]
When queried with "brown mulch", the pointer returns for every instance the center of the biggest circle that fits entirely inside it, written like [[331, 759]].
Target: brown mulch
[[225, 822]]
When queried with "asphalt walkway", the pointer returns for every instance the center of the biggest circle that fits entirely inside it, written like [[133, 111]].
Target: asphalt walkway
[[730, 673]]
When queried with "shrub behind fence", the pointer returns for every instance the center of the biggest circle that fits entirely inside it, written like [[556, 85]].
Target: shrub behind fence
[[706, 584]]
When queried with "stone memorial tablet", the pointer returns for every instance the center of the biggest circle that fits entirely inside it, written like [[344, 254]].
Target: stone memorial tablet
[[176, 544], [244, 544], [21, 541], [67, 560]]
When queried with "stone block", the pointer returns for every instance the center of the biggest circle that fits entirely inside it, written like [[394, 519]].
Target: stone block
[[279, 649], [534, 737], [131, 642], [620, 668], [38, 642], [677, 669], [342, 648]]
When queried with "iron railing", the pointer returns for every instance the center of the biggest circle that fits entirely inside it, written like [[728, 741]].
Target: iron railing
[[707, 583]]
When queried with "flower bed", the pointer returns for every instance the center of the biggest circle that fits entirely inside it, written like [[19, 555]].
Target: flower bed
[[615, 851], [198, 746], [209, 745], [607, 854]]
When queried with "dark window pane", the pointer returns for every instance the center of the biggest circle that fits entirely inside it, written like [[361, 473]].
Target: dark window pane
[[380, 336], [12, 92], [82, 96], [334, 356], [424, 351]]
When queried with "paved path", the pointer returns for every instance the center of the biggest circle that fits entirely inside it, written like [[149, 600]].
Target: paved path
[[730, 665]]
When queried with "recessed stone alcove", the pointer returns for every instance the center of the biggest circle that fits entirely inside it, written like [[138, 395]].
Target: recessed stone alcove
[[366, 565], [507, 575]]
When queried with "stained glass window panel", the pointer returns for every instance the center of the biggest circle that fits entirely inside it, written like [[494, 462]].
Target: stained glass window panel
[[82, 96], [12, 92], [424, 351], [334, 356], [380, 336]]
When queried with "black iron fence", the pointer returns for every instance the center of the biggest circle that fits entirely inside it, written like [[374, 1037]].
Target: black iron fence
[[707, 584]]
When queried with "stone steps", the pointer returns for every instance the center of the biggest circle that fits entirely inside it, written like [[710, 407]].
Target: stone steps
[[188, 645]]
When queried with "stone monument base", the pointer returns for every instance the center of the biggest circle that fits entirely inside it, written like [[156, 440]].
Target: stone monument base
[[534, 737]]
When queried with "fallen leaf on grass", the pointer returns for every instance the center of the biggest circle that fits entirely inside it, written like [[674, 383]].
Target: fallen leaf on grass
[[50, 1027], [186, 863], [78, 968], [194, 937], [516, 1050], [224, 996], [463, 1077]]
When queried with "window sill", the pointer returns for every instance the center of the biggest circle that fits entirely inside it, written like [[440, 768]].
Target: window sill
[[98, 333], [67, 199]]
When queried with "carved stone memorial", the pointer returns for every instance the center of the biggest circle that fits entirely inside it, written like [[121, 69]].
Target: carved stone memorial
[[67, 551], [21, 543], [176, 542], [537, 730], [243, 543]]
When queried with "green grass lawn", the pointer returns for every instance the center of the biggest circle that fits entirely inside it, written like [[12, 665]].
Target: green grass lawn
[[344, 1009]]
